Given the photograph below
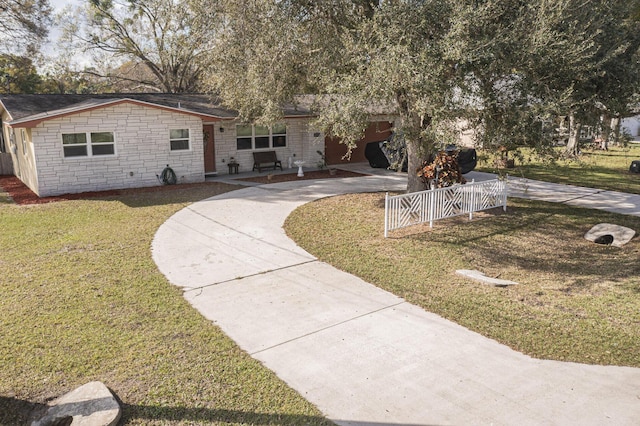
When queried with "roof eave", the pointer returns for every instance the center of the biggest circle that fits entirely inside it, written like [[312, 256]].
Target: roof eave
[[6, 110], [30, 123]]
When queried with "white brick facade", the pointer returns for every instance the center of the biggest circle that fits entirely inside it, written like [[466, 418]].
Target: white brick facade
[[142, 151], [303, 143]]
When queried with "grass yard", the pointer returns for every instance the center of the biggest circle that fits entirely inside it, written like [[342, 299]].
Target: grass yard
[[594, 169], [81, 299], [577, 301]]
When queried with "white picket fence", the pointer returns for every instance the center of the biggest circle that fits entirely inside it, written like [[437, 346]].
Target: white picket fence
[[426, 206]]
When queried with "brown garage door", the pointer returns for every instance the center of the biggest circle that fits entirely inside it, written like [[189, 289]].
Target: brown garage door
[[334, 150]]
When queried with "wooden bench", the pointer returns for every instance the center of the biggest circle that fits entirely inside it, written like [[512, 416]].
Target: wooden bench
[[266, 160]]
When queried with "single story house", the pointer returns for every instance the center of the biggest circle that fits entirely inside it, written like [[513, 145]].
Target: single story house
[[631, 125], [77, 143]]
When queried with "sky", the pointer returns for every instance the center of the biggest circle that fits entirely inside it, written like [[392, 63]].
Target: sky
[[58, 5], [54, 31]]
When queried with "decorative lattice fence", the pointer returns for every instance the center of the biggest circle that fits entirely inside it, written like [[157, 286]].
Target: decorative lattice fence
[[426, 206]]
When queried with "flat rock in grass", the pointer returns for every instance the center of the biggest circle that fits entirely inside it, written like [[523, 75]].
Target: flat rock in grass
[[89, 405], [479, 276], [621, 234]]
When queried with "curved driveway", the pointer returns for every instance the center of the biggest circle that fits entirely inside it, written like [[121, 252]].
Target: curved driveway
[[362, 355]]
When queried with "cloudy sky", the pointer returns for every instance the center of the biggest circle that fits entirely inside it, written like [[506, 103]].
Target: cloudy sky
[[54, 32], [59, 4]]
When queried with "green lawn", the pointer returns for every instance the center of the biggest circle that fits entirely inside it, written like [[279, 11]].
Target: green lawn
[[576, 300], [81, 299], [594, 169]]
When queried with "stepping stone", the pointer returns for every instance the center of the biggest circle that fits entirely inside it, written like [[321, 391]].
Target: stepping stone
[[621, 234], [92, 404], [479, 276]]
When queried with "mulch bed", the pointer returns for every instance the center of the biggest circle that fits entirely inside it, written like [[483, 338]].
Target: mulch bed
[[22, 195], [313, 174]]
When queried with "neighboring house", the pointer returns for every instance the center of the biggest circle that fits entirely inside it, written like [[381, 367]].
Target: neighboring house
[[76, 143], [632, 126]]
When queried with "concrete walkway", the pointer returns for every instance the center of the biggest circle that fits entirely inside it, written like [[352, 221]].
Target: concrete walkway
[[612, 201], [362, 355]]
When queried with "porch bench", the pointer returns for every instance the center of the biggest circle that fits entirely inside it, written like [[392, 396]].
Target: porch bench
[[266, 160]]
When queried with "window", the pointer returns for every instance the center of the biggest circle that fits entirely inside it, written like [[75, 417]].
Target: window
[[244, 136], [23, 135], [260, 137], [74, 144], [88, 144], [279, 134], [102, 143], [179, 139], [12, 140]]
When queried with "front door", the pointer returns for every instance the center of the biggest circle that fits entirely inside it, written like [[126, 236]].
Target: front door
[[209, 150]]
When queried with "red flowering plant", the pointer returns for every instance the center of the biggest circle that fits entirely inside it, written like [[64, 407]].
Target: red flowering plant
[[442, 171]]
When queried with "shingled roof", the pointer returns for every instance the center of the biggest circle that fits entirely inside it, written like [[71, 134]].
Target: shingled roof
[[36, 108]]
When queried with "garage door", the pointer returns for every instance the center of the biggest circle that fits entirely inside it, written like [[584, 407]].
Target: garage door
[[334, 150]]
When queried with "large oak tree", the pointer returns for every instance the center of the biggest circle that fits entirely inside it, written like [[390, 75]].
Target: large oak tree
[[505, 65]]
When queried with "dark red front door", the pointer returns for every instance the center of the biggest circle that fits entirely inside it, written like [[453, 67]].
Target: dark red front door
[[209, 149]]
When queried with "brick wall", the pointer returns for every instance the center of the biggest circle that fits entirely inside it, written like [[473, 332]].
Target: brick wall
[[301, 144], [142, 150]]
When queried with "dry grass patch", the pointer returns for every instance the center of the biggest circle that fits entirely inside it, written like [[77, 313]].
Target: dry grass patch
[[577, 301]]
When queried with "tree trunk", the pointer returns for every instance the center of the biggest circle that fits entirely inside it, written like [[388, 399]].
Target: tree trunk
[[412, 125], [573, 146], [605, 133], [615, 128], [414, 183]]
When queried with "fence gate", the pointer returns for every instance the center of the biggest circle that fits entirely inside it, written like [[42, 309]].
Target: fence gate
[[426, 206]]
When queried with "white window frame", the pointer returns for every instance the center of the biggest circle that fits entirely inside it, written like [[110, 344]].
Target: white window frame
[[271, 135], [23, 135], [180, 139], [12, 141], [90, 144]]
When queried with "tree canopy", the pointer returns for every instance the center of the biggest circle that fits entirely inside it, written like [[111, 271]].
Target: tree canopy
[[18, 75], [61, 77], [504, 65], [161, 40], [506, 68], [584, 63], [23, 25]]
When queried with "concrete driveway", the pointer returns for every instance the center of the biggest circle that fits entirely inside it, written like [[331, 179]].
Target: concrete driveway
[[362, 355]]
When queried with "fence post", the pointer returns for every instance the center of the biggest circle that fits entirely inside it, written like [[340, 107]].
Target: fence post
[[386, 215], [431, 206], [504, 192], [473, 198]]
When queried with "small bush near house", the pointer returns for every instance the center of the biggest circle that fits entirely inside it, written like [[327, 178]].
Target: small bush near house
[[442, 172]]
